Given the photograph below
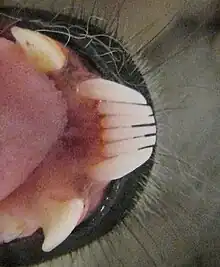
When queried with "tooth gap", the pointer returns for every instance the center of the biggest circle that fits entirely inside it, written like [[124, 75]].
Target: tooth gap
[[149, 135], [150, 146], [141, 125], [132, 126], [125, 103], [143, 135]]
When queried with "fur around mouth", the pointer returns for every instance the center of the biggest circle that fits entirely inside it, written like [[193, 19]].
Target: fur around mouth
[[121, 195]]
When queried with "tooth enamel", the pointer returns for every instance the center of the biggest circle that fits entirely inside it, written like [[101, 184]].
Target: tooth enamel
[[58, 221], [129, 132], [112, 108], [123, 121], [117, 167], [10, 228], [126, 146], [107, 90], [46, 54]]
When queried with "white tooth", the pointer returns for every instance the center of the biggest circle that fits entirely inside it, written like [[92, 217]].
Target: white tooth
[[117, 167], [111, 91], [45, 53], [129, 132], [123, 121], [10, 228], [126, 146], [58, 221], [112, 108]]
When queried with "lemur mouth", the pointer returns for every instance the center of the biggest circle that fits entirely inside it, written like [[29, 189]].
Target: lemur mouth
[[74, 91]]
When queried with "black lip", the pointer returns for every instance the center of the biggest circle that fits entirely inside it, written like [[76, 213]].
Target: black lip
[[121, 195]]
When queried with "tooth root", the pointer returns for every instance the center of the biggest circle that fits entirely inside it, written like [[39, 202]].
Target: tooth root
[[123, 121], [10, 228], [43, 52], [58, 221], [126, 146], [117, 167], [110, 91], [113, 108], [129, 132]]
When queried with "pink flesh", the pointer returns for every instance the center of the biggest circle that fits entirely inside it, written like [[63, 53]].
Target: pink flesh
[[32, 116], [62, 156]]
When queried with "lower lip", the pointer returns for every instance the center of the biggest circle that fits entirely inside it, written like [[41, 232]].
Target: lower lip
[[97, 193]]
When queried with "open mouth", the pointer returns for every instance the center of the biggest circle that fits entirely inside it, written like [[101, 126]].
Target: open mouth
[[99, 132]]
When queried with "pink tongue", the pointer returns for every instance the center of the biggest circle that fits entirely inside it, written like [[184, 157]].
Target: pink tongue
[[32, 116]]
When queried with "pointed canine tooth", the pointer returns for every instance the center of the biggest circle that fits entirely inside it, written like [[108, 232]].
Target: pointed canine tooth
[[117, 167], [58, 221], [126, 146], [123, 121], [107, 90], [10, 228], [129, 132], [112, 108], [43, 52]]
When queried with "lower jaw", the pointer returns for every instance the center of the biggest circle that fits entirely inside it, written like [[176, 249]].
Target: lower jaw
[[92, 204], [107, 208]]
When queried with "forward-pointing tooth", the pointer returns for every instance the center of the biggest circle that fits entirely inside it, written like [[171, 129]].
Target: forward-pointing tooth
[[110, 91], [43, 52], [58, 220], [124, 121], [115, 134], [129, 145], [119, 166], [113, 108]]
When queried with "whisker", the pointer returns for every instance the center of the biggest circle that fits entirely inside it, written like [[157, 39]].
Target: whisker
[[130, 230], [143, 47], [115, 18], [179, 48], [176, 158]]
